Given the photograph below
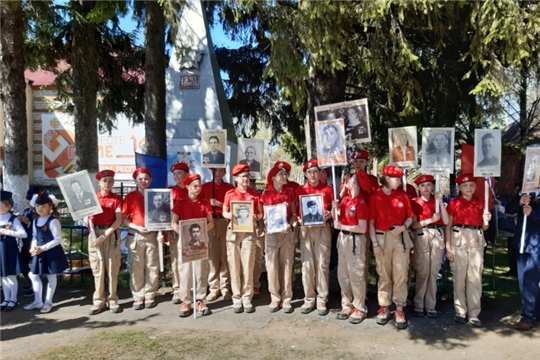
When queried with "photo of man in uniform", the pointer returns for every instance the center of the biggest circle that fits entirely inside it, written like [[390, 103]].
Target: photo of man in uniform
[[532, 168], [313, 215], [242, 217], [402, 150], [161, 212], [80, 199], [195, 242], [214, 156], [356, 123], [254, 165], [488, 151]]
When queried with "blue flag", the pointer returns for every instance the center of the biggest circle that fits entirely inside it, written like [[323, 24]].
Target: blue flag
[[157, 166]]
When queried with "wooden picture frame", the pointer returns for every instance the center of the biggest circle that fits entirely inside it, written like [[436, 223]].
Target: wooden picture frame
[[242, 216], [193, 240]]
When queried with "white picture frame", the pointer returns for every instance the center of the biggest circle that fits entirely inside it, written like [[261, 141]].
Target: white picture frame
[[403, 146], [213, 148], [276, 218], [330, 139], [355, 115], [193, 240], [438, 150], [487, 153], [79, 194], [251, 152], [158, 205]]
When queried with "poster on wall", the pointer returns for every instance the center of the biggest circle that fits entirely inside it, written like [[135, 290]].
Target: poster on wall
[[116, 150], [58, 136]]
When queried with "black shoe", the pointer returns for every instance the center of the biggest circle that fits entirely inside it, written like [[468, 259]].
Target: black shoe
[[150, 304], [475, 321], [418, 312], [4, 305], [10, 307], [460, 319]]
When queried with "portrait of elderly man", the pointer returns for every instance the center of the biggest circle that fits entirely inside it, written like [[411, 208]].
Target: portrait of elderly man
[[438, 150], [488, 151], [214, 156], [253, 164], [80, 199], [402, 150]]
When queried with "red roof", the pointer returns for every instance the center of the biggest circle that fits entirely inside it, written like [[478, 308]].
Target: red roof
[[39, 77]]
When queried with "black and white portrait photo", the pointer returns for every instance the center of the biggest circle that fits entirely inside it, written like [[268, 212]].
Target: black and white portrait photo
[[276, 218], [487, 152], [355, 115], [214, 143], [438, 150], [193, 242], [158, 209], [331, 148], [242, 212], [311, 207], [531, 176], [403, 146], [79, 194], [250, 152]]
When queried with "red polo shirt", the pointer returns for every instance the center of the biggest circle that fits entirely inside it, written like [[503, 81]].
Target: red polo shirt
[[424, 210], [372, 181], [236, 195], [325, 189], [466, 212], [291, 185], [109, 203], [219, 193], [353, 209], [389, 210], [178, 193], [133, 207], [271, 196], [187, 209]]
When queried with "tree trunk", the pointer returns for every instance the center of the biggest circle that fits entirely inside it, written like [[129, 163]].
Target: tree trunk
[[84, 65], [13, 96], [154, 94]]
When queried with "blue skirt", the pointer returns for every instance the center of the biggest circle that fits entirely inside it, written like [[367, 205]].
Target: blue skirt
[[50, 262], [10, 257]]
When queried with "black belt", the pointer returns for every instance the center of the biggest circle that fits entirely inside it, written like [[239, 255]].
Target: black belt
[[402, 239], [101, 227], [354, 239], [218, 216], [474, 227], [434, 226]]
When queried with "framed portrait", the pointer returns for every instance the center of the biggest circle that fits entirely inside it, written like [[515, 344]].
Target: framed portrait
[[312, 209], [438, 150], [403, 146], [242, 216], [157, 209], [531, 176], [250, 152], [193, 240], [331, 147], [355, 115], [79, 194], [276, 218], [214, 143], [487, 152]]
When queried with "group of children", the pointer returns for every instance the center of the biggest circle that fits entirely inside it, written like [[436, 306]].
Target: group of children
[[367, 215]]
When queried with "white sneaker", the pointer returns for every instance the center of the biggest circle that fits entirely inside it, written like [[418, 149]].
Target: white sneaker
[[33, 306]]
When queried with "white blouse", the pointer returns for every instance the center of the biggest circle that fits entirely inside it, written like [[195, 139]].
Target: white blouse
[[56, 230], [16, 229]]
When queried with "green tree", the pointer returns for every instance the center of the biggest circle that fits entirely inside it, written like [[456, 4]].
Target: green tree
[[13, 96]]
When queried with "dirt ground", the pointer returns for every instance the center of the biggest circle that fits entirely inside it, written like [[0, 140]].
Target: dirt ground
[[261, 335]]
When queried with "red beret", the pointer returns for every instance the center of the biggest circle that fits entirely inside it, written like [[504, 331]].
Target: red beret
[[360, 154], [363, 180], [104, 173], [392, 171], [180, 166], [424, 178], [190, 178], [464, 178], [141, 170], [309, 164], [283, 165], [273, 171], [240, 168]]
